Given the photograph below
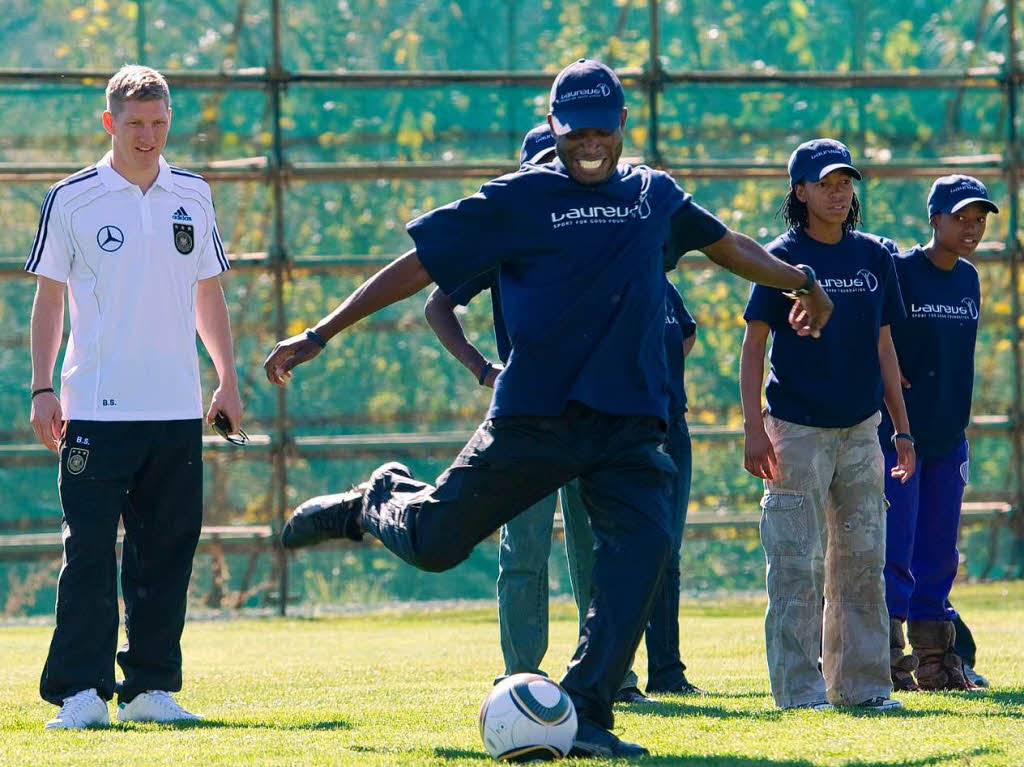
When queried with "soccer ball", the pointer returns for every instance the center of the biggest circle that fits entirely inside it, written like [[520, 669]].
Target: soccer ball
[[526, 718]]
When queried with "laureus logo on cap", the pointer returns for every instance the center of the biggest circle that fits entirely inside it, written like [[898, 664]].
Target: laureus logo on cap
[[586, 94], [951, 193]]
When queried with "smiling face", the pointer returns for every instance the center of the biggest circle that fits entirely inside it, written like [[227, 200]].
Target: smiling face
[[960, 233], [139, 133], [591, 154]]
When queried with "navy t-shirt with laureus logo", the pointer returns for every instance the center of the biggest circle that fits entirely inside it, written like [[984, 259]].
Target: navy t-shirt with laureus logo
[[834, 381], [935, 346], [581, 281]]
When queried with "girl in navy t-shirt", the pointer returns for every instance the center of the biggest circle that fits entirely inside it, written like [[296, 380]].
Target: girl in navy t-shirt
[[935, 345], [816, 446]]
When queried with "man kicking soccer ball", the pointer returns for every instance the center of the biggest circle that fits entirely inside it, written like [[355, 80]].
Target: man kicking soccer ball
[[578, 245]]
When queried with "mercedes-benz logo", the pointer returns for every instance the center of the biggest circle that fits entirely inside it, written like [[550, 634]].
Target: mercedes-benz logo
[[110, 238]]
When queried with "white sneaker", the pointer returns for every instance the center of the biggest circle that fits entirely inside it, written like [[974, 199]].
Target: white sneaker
[[81, 710], [153, 706]]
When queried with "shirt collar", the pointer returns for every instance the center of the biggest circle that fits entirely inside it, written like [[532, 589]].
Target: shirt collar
[[114, 180]]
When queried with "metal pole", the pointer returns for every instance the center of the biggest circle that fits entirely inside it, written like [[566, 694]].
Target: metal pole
[[654, 83], [279, 258], [1014, 248], [511, 120], [859, 23], [140, 31]]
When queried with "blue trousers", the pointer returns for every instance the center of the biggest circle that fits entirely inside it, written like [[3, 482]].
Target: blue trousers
[[664, 665], [921, 557]]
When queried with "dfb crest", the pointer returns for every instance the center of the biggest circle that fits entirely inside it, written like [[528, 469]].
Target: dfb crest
[[76, 460], [184, 238]]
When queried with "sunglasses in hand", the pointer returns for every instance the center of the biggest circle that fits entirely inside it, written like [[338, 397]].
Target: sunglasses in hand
[[222, 425]]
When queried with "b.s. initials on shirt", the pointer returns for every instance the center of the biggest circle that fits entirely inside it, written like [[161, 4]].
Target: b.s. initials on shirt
[[109, 402]]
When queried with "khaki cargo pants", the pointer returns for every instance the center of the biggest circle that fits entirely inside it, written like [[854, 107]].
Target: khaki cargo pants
[[823, 532]]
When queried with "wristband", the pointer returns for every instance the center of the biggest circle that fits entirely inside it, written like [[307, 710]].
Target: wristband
[[42, 391], [901, 435], [316, 338], [487, 368]]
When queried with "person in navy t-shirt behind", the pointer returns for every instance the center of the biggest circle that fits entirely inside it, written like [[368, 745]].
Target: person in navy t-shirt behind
[[578, 248], [823, 511], [935, 345]]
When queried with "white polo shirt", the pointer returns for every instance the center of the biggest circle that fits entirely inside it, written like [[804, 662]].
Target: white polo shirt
[[131, 263]]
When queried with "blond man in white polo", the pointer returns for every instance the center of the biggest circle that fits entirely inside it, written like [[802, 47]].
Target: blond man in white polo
[[133, 242]]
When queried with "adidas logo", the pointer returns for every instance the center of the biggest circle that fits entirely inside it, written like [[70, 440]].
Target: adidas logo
[[181, 215]]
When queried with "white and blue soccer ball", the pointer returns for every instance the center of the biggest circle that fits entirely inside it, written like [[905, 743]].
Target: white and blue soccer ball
[[527, 717]]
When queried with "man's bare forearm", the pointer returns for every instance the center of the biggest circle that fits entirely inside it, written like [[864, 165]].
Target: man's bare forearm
[[214, 326], [400, 279], [744, 257], [47, 328]]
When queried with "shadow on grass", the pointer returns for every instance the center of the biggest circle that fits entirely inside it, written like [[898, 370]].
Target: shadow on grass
[[701, 706], [1008, 705], [1007, 698], [461, 753], [227, 724], [728, 760]]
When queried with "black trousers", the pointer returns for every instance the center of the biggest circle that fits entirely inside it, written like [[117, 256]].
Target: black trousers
[[511, 463], [149, 474]]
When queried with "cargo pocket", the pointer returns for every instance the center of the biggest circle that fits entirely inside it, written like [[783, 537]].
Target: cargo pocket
[[785, 530]]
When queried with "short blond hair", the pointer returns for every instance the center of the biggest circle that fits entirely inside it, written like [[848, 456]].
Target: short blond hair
[[136, 83]]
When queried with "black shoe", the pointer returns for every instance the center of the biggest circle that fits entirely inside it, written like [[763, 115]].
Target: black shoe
[[683, 687], [322, 518], [594, 740], [632, 695]]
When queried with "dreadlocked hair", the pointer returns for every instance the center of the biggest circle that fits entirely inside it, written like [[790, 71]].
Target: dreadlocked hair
[[794, 212]]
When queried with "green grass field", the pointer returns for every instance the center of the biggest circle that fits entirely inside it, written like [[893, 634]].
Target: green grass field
[[404, 687]]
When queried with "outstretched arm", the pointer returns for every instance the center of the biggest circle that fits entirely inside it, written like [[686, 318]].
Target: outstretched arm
[[440, 314], [400, 279], [744, 257]]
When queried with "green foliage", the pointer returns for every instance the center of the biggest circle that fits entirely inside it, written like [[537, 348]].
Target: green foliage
[[390, 374]]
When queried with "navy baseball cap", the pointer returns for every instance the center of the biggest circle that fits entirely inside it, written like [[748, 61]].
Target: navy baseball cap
[[950, 193], [538, 142], [813, 160], [586, 94]]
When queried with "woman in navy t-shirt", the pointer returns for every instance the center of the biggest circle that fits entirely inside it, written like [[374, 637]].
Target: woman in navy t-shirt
[[816, 446], [935, 345]]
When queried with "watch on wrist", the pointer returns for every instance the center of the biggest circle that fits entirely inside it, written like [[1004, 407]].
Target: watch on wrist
[[809, 283]]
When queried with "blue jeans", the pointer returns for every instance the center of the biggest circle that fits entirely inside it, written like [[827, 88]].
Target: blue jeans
[[664, 665], [523, 551]]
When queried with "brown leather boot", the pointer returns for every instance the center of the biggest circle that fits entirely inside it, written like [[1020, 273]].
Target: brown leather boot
[[939, 668], [901, 666]]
